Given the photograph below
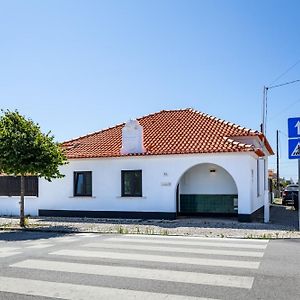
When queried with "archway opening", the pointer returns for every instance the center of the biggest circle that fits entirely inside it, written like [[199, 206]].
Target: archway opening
[[206, 189]]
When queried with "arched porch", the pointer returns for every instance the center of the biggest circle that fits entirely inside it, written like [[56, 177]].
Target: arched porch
[[206, 189]]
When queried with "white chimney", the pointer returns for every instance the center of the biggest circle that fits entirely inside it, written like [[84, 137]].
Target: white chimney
[[132, 138]]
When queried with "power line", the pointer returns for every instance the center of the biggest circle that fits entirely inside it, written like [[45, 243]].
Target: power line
[[285, 72], [282, 84], [288, 107], [265, 102]]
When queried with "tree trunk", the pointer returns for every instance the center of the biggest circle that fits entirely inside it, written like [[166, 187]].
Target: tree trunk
[[22, 200]]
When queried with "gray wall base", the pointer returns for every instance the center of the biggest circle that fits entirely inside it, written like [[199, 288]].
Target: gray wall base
[[257, 216], [107, 214]]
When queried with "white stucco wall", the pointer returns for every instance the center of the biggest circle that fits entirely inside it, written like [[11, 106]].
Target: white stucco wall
[[200, 180], [161, 174], [257, 183], [9, 206]]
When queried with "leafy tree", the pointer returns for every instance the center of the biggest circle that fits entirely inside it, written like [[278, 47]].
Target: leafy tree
[[26, 151]]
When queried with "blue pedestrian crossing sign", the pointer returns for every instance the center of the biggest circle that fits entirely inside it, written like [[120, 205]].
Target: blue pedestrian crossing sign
[[294, 148], [294, 127], [294, 138]]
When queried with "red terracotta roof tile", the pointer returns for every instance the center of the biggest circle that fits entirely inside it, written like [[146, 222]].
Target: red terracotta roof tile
[[169, 132]]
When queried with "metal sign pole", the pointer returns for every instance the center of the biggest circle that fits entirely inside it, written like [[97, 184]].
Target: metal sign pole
[[298, 191], [294, 151]]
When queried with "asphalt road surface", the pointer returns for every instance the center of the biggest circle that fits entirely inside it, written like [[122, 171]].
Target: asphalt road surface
[[35, 265]]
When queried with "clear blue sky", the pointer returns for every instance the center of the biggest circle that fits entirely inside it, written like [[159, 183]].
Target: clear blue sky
[[80, 66]]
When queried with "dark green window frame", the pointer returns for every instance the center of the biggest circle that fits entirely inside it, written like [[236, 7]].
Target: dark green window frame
[[131, 183], [82, 184]]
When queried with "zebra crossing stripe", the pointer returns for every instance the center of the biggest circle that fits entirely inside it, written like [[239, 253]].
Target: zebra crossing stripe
[[195, 238], [139, 273], [7, 254], [8, 249], [36, 242], [71, 291], [150, 247], [159, 258], [87, 234], [190, 243], [40, 246], [67, 239]]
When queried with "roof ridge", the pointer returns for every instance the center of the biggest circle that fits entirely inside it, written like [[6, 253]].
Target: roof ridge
[[120, 124], [200, 133], [205, 115], [92, 133], [164, 110], [225, 122]]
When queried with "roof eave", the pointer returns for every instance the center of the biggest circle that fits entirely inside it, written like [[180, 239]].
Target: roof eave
[[266, 143]]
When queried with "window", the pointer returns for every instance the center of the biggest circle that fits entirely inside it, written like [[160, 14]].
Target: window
[[83, 183], [11, 186], [132, 183]]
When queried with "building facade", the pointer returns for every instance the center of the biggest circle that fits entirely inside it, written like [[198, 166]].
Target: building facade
[[171, 163]]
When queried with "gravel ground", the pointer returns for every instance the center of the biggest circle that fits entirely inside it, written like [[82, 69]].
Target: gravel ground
[[192, 227]]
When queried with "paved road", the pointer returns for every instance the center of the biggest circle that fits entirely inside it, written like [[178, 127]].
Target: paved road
[[88, 266]]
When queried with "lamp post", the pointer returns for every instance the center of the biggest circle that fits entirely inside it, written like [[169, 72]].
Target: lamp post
[[264, 131]]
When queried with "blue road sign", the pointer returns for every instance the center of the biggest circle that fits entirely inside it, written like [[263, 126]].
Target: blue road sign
[[294, 127], [294, 148]]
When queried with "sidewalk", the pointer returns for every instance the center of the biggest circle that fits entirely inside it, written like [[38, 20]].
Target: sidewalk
[[283, 225]]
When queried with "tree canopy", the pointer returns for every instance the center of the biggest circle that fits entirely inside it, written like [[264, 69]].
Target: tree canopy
[[25, 150]]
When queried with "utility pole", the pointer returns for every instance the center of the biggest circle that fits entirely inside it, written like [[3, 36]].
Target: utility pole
[[262, 124], [264, 131], [277, 162]]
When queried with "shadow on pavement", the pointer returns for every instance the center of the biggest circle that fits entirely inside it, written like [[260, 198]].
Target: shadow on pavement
[[19, 235]]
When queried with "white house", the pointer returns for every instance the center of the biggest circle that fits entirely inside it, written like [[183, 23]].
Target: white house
[[170, 163]]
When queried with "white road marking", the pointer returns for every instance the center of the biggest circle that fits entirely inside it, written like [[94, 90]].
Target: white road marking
[[159, 258], [70, 291], [67, 239], [199, 238], [139, 273], [40, 246], [36, 242], [9, 249], [189, 243], [7, 254], [150, 247], [86, 234]]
